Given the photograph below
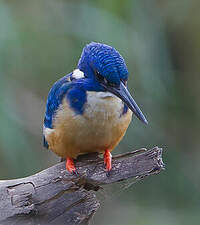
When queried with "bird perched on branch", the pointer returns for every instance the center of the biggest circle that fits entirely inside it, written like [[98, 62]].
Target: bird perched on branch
[[90, 109]]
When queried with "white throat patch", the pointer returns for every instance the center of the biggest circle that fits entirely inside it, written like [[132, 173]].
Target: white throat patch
[[77, 74], [105, 95]]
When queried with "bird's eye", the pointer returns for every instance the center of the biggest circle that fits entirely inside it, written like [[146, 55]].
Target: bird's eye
[[102, 79], [99, 76], [105, 81], [112, 84]]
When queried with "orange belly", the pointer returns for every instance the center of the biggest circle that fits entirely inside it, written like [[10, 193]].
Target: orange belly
[[101, 127]]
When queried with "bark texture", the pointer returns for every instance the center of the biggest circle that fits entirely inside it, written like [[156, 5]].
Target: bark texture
[[53, 196]]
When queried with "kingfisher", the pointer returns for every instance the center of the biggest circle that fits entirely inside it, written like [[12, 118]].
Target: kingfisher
[[90, 109]]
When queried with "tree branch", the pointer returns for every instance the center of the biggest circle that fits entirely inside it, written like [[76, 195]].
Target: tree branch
[[53, 196]]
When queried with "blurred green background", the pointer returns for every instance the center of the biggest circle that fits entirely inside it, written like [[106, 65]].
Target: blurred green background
[[40, 41]]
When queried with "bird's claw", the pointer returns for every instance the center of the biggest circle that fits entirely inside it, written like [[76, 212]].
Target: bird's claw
[[70, 167], [108, 160]]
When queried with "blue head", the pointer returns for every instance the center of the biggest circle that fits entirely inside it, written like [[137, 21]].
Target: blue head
[[103, 64], [102, 61]]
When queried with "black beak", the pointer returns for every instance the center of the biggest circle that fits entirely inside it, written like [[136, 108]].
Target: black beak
[[123, 93]]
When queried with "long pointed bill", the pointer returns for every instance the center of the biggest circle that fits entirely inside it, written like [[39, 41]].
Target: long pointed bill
[[123, 93]]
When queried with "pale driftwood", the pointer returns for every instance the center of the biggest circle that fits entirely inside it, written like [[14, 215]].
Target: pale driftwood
[[53, 196]]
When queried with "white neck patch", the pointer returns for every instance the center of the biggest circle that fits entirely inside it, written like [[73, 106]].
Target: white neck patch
[[77, 74], [105, 95]]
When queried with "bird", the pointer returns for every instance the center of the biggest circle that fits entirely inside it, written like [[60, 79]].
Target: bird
[[90, 109]]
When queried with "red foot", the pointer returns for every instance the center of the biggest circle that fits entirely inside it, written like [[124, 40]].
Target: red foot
[[70, 165], [107, 160]]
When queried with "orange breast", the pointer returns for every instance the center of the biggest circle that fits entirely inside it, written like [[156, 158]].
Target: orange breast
[[101, 126]]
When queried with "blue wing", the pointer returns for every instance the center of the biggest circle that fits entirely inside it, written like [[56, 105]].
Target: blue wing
[[55, 97]]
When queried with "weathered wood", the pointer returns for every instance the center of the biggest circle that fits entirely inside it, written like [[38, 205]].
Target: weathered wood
[[53, 196]]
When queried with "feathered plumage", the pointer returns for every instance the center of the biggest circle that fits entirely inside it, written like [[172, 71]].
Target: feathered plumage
[[90, 109]]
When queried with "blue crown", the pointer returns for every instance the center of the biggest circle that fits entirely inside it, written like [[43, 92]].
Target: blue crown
[[105, 60]]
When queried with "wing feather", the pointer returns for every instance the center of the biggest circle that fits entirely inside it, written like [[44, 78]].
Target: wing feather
[[54, 99]]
